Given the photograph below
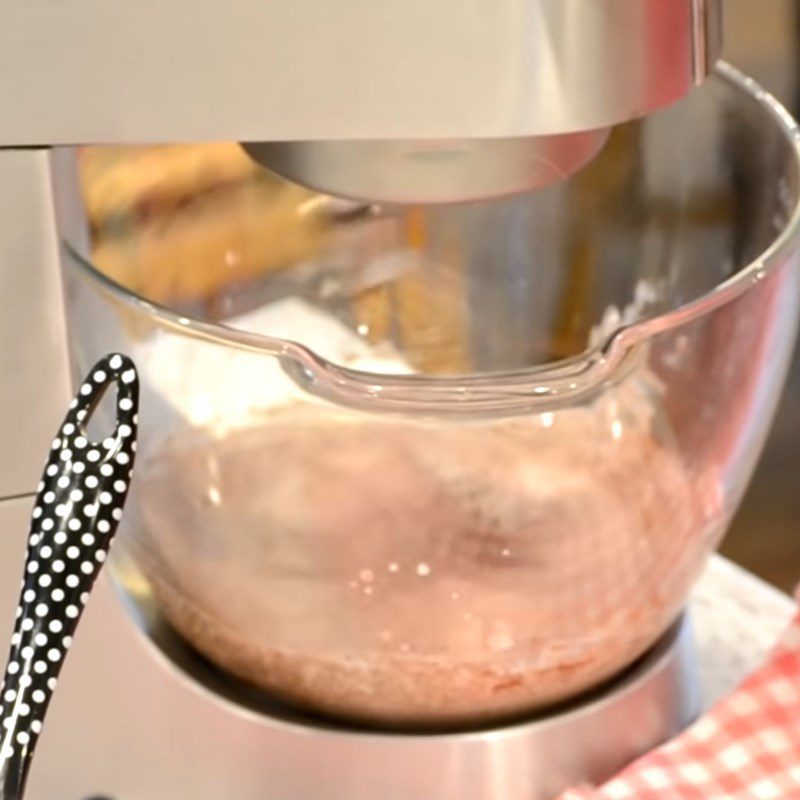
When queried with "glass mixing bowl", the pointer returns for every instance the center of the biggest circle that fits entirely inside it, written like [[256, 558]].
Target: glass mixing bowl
[[443, 465]]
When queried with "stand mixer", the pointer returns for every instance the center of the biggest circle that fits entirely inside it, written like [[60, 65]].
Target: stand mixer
[[456, 121]]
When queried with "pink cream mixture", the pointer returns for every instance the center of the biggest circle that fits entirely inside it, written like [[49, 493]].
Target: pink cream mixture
[[421, 574]]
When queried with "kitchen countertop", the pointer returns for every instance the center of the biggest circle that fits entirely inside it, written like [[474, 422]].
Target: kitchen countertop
[[737, 619]]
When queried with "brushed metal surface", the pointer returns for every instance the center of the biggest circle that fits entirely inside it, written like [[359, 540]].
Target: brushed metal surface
[[81, 71], [431, 171], [33, 357]]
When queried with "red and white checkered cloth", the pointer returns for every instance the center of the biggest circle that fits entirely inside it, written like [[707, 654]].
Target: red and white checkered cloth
[[745, 748]]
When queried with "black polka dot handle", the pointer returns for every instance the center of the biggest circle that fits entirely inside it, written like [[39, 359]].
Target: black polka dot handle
[[78, 507]]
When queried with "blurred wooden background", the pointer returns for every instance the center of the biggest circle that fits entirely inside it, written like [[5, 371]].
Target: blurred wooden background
[[763, 39]]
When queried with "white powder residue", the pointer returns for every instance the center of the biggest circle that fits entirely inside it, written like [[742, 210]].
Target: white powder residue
[[244, 383]]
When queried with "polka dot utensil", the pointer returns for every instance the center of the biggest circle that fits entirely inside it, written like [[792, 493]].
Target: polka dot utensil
[[78, 507]]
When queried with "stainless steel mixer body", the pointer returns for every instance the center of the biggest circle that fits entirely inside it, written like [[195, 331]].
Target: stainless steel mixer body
[[430, 105]]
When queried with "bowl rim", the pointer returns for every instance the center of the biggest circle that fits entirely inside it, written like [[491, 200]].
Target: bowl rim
[[539, 387]]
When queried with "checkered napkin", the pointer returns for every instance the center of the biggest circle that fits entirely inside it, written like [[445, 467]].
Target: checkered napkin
[[747, 747]]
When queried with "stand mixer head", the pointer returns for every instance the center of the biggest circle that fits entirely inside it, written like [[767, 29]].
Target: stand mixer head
[[393, 102], [585, 67]]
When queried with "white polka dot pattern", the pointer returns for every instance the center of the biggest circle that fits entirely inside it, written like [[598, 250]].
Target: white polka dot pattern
[[78, 507]]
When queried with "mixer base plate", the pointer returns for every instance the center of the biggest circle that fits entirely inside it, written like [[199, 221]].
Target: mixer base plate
[[536, 758]]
